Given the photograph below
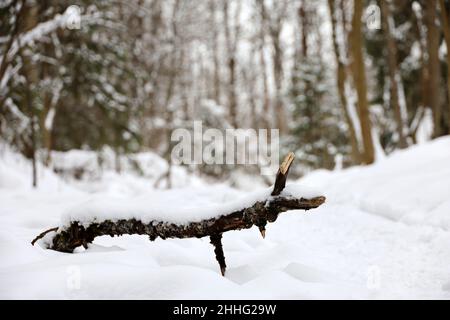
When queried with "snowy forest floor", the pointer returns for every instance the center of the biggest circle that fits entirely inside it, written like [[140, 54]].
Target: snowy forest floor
[[384, 233]]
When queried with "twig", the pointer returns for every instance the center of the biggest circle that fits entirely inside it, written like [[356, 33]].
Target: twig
[[40, 236]]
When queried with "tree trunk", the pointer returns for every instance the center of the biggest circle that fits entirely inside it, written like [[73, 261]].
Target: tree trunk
[[46, 131], [424, 76], [341, 82], [231, 64], [176, 60], [267, 112], [445, 17], [49, 100], [274, 21], [249, 79], [280, 112], [434, 70], [215, 48], [359, 80], [304, 29], [32, 137], [31, 76], [387, 22]]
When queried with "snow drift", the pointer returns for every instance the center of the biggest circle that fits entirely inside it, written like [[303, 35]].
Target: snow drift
[[411, 186], [383, 233]]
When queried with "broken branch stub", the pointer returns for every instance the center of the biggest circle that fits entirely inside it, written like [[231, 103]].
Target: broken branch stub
[[280, 180]]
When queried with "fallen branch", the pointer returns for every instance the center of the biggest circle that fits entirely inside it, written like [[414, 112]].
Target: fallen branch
[[75, 235]]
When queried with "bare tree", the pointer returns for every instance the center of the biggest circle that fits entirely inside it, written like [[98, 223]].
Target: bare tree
[[274, 18], [434, 70], [445, 18], [30, 20], [360, 82], [394, 76], [341, 79], [231, 39], [266, 101], [250, 76], [215, 49]]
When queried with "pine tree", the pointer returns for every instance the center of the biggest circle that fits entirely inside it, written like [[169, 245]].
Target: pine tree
[[317, 134]]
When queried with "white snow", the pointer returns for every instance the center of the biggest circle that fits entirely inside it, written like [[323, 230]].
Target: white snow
[[383, 233], [426, 127], [170, 206], [49, 119]]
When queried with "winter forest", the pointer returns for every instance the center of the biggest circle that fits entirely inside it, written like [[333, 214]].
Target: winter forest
[[92, 92]]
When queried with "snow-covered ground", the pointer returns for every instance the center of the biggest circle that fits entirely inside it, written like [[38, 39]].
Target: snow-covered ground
[[383, 233]]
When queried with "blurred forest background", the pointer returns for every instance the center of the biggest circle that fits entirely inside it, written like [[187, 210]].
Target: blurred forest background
[[340, 93]]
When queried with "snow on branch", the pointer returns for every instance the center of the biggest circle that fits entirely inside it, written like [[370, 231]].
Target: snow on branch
[[257, 211], [44, 28], [37, 34]]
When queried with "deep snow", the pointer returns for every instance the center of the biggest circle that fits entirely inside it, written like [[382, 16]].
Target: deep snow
[[383, 233]]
